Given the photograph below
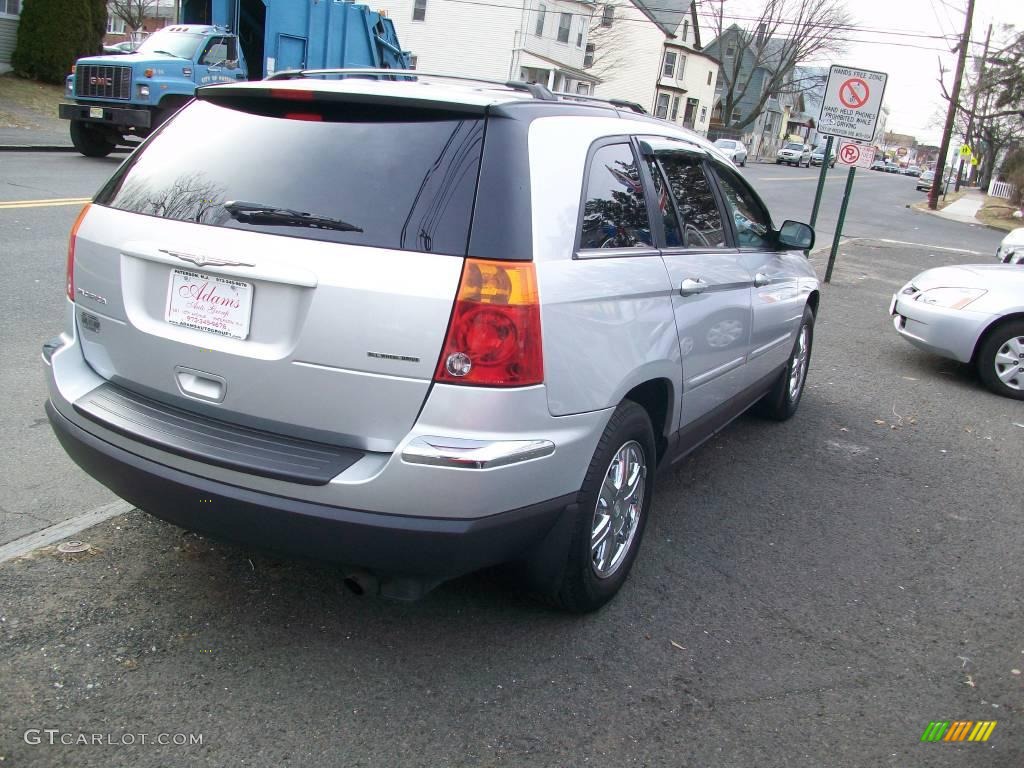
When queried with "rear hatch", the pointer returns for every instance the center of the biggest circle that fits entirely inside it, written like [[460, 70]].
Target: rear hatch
[[284, 264]]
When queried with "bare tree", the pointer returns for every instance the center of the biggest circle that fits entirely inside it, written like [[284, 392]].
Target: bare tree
[[608, 38], [133, 12], [785, 33]]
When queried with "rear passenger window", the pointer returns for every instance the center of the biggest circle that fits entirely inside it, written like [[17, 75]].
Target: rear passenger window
[[615, 214], [699, 218]]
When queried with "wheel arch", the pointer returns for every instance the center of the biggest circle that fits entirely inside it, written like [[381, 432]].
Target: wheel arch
[[657, 397], [990, 329], [813, 300]]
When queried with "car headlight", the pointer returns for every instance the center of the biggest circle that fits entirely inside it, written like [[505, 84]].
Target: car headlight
[[950, 298]]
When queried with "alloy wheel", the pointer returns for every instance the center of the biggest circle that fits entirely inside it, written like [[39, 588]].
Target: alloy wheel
[[618, 509]]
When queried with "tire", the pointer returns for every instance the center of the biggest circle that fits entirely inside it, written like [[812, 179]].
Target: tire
[[783, 399], [744, 163], [587, 585], [91, 142], [1000, 359]]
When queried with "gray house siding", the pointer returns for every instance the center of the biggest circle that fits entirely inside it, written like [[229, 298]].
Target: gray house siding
[[8, 36]]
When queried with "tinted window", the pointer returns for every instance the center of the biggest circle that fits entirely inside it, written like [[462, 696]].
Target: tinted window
[[401, 180], [615, 214], [699, 217], [753, 224], [665, 208]]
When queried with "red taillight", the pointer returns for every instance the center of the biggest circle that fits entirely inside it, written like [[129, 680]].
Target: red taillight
[[71, 252], [494, 334], [312, 117], [292, 94]]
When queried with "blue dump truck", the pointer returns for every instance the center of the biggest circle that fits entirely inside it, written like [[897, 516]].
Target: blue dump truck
[[122, 96]]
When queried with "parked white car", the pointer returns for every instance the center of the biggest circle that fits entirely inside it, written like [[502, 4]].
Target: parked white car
[[973, 313], [794, 153], [734, 150], [1011, 250]]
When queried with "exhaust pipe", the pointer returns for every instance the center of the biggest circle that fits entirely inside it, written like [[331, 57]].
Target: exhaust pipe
[[362, 583]]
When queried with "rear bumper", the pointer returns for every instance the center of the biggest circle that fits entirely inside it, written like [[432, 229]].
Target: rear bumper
[[417, 547], [114, 116]]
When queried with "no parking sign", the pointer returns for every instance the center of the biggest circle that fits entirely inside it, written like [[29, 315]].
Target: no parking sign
[[855, 155]]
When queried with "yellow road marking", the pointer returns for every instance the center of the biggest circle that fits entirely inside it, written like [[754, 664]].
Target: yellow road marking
[[43, 203]]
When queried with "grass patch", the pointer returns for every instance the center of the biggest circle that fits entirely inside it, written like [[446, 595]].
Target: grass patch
[[24, 103], [998, 212]]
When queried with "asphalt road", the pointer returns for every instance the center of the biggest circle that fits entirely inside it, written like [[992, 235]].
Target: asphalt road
[[808, 594]]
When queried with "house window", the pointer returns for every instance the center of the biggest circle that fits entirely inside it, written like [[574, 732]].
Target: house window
[[730, 51], [13, 8], [579, 39], [583, 89], [661, 109], [686, 30], [564, 25], [668, 66], [588, 56], [541, 12], [682, 66], [735, 116], [675, 108], [419, 10], [703, 114], [412, 62], [115, 26], [607, 15], [711, 74]]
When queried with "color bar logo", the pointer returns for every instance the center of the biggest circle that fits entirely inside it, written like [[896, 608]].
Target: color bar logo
[[958, 730]]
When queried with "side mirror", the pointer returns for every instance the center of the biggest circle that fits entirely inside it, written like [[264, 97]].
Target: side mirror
[[796, 236], [231, 63]]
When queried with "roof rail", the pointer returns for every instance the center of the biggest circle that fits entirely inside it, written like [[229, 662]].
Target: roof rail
[[620, 103], [536, 90]]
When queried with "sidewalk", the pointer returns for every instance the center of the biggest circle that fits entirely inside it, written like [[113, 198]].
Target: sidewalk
[[963, 210]]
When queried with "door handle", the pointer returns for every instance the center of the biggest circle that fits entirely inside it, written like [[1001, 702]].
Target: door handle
[[761, 279], [691, 286]]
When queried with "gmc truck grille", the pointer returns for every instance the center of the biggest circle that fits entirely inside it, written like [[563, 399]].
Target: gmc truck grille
[[104, 82]]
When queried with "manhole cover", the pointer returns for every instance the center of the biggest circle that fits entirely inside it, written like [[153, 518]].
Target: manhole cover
[[72, 547]]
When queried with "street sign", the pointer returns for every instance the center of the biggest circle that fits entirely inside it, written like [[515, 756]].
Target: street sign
[[965, 151], [974, 161], [853, 101], [855, 155]]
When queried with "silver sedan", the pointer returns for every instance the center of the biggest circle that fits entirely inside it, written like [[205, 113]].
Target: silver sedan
[[734, 150], [972, 313]]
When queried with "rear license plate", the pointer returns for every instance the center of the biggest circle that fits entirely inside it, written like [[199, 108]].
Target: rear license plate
[[96, 112], [209, 303]]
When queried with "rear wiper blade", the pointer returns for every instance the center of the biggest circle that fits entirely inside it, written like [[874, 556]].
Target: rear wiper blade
[[257, 213]]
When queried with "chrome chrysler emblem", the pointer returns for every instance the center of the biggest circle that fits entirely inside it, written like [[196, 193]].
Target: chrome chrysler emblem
[[206, 261]]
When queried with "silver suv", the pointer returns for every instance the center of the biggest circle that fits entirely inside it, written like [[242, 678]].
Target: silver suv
[[421, 326]]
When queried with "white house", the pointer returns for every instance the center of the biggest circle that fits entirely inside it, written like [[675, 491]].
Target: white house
[[649, 51], [541, 41], [10, 10]]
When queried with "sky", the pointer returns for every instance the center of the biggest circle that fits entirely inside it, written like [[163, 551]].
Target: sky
[[912, 94]]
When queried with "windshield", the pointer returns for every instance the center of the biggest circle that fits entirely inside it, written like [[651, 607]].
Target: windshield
[[794, 145], [180, 44], [724, 144]]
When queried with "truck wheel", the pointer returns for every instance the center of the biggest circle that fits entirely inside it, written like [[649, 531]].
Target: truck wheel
[[614, 503], [91, 142]]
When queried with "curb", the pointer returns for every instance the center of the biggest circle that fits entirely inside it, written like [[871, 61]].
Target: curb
[[976, 223], [36, 148]]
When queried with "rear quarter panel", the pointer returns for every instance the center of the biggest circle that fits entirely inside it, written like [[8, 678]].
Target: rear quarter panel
[[607, 323]]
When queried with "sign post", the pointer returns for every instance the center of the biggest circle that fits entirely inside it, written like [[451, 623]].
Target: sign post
[[850, 110], [821, 180]]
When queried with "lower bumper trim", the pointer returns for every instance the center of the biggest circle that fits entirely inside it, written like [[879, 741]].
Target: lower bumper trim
[[386, 543]]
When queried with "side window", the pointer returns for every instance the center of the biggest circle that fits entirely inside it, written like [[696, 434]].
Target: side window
[[665, 208], [753, 224], [615, 214], [217, 51], [699, 218]]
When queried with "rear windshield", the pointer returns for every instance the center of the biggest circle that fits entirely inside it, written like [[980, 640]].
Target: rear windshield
[[387, 179], [725, 144]]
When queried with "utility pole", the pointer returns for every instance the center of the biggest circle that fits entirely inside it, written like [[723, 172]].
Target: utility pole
[[974, 104], [947, 134]]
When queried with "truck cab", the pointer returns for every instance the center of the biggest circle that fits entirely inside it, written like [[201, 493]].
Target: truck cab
[[131, 94], [122, 96]]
